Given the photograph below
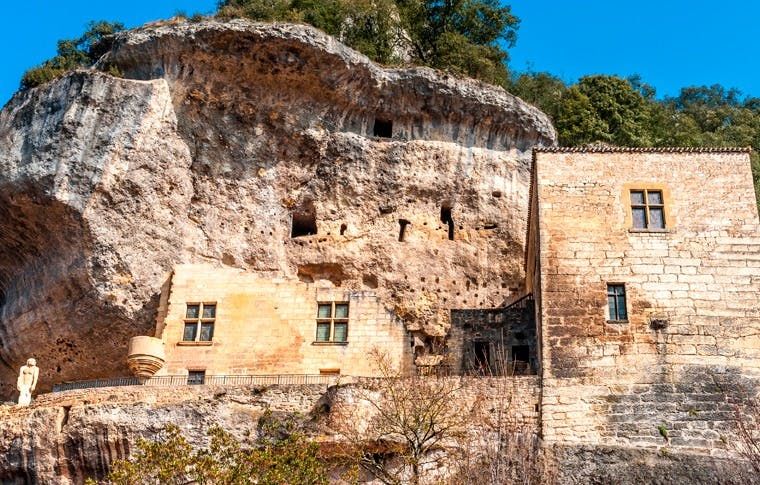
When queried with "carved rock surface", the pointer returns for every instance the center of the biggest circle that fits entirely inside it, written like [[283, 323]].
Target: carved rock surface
[[218, 136]]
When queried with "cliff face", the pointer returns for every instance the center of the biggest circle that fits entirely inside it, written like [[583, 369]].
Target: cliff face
[[217, 139]]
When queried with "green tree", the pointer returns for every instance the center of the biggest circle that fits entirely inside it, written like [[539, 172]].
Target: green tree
[[73, 53], [461, 36], [541, 89], [284, 457]]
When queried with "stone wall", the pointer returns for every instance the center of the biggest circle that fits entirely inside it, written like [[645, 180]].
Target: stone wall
[[268, 326], [689, 351], [66, 437]]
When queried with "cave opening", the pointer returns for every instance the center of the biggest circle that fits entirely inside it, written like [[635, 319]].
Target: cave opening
[[383, 128], [402, 229], [343, 228], [448, 219], [304, 220]]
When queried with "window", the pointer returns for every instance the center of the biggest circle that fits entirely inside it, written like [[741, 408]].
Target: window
[[616, 302], [402, 229], [199, 322], [196, 377], [332, 322], [647, 209]]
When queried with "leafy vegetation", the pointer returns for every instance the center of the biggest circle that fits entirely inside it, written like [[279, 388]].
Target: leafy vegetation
[[460, 36], [283, 455], [626, 112], [72, 54]]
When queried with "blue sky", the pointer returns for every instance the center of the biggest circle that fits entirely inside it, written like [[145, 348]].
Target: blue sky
[[670, 43]]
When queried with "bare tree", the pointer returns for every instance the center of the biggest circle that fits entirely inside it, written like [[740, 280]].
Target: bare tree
[[408, 422], [748, 432], [500, 448]]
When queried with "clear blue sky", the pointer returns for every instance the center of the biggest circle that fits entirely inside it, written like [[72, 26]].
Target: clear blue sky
[[670, 43]]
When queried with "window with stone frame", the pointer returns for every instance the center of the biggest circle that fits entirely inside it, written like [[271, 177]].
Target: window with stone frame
[[616, 302], [332, 322], [647, 209], [196, 377], [199, 322]]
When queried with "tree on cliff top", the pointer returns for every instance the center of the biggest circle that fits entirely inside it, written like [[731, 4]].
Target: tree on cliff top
[[461, 36], [72, 54], [625, 112]]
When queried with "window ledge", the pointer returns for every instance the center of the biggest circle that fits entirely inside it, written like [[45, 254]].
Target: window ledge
[[329, 343], [618, 322], [655, 231], [187, 343]]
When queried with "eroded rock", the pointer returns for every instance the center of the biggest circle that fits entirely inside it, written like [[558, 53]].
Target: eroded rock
[[223, 141]]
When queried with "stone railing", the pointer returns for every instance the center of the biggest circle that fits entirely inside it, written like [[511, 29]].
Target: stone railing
[[218, 380]]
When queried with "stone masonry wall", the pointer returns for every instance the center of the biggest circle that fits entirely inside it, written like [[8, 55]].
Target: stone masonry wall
[[673, 373], [268, 326], [64, 438]]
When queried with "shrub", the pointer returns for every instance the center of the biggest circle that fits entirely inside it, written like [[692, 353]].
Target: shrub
[[73, 53]]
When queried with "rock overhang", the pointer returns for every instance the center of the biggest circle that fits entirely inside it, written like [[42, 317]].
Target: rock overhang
[[207, 146]]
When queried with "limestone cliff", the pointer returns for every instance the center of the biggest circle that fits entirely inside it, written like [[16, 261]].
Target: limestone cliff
[[216, 139]]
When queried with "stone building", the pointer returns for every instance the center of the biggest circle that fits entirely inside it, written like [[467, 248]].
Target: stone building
[[224, 321], [645, 267], [639, 305]]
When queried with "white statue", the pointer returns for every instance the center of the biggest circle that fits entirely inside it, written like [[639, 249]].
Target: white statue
[[27, 381]]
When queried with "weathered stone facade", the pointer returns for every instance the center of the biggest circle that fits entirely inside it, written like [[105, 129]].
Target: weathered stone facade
[[269, 326], [498, 341], [264, 169], [672, 372]]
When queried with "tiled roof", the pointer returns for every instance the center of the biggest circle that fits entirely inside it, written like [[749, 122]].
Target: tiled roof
[[601, 148]]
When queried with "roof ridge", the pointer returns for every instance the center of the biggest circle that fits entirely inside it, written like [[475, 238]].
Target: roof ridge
[[617, 149]]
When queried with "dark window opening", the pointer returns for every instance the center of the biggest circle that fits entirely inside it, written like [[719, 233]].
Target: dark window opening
[[520, 353], [482, 351], [304, 221], [343, 228], [402, 229], [647, 209], [196, 377], [332, 322], [616, 302], [447, 218], [199, 322], [383, 128]]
